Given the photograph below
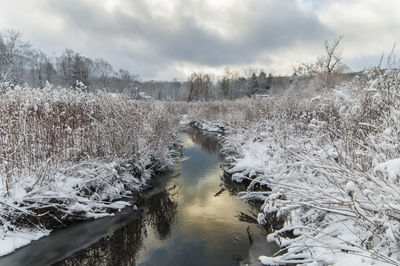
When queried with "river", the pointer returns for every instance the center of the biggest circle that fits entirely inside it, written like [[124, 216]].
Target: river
[[191, 216]]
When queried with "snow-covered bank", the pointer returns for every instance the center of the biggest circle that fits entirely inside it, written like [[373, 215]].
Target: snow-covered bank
[[208, 126], [68, 155], [331, 164], [12, 240]]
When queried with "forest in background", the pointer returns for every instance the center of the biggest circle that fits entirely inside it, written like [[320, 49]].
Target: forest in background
[[22, 64]]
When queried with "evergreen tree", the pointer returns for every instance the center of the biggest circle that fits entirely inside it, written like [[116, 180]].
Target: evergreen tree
[[269, 81], [253, 84], [4, 62], [262, 82], [80, 69]]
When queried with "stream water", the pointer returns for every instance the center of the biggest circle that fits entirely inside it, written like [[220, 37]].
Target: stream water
[[191, 216]]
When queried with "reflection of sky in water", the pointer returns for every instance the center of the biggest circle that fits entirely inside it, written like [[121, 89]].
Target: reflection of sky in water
[[197, 165], [180, 223], [206, 231], [188, 142]]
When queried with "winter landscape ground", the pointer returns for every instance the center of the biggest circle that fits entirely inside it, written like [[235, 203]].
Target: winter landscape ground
[[185, 128], [326, 165]]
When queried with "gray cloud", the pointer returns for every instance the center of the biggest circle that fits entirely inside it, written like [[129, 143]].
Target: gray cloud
[[151, 38], [268, 26]]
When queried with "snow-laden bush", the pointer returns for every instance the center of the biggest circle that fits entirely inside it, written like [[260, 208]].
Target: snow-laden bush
[[332, 163], [68, 154]]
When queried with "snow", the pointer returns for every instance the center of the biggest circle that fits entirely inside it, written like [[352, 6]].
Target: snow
[[391, 169], [74, 155], [332, 164], [238, 177], [13, 240], [65, 187], [350, 186], [252, 158], [208, 126], [211, 128], [350, 259], [184, 120]]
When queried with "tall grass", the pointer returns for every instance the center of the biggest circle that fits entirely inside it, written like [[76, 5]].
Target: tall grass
[[61, 148]]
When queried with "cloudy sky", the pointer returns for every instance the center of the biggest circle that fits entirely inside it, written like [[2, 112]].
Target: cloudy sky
[[166, 39]]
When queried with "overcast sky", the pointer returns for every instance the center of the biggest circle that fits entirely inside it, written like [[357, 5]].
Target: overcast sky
[[166, 39]]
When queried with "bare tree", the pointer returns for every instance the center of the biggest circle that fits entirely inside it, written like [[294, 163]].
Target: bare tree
[[198, 85], [228, 82], [49, 70], [65, 67], [13, 56], [4, 60], [327, 68], [124, 80], [12, 39], [333, 54], [38, 64], [20, 63], [102, 71]]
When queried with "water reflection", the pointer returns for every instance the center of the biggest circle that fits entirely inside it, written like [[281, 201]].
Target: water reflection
[[209, 229], [108, 241], [120, 247], [161, 213], [207, 141], [181, 222]]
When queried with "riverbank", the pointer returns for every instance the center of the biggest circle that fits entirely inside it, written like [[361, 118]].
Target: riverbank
[[327, 165], [330, 165], [68, 156], [191, 216]]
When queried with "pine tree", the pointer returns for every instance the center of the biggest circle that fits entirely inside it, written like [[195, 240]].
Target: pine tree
[[253, 84], [80, 71]]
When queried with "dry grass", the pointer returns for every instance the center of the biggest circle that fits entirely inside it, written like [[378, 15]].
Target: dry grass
[[67, 154], [58, 126]]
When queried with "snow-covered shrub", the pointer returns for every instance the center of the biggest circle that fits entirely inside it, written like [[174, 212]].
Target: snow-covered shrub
[[332, 165], [68, 154]]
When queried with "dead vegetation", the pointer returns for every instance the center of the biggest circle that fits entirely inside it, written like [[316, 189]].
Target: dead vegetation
[[68, 154], [331, 162]]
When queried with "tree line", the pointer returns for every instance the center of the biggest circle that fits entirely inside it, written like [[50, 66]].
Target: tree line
[[326, 72], [21, 63]]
